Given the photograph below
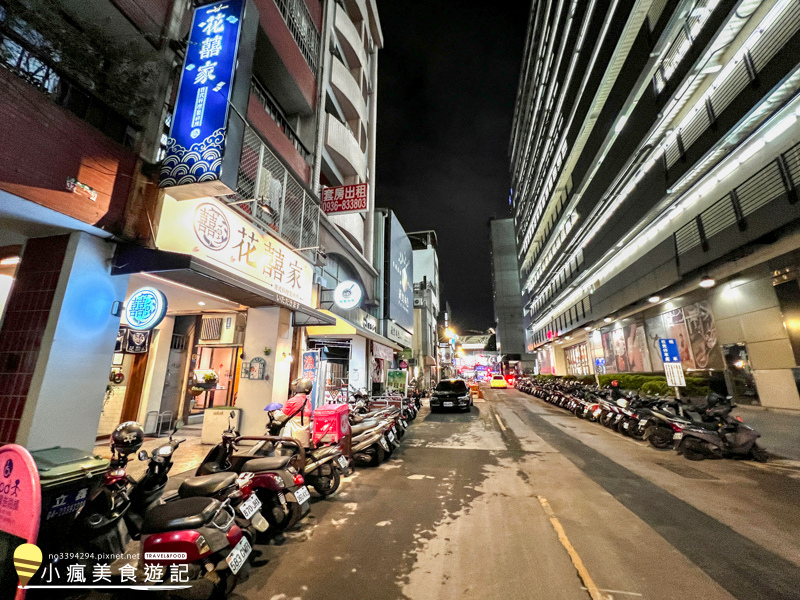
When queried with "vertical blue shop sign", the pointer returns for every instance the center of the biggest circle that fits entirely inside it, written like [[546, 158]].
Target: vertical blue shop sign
[[197, 139]]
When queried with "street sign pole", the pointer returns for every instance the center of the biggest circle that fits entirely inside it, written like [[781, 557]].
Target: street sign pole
[[671, 357]]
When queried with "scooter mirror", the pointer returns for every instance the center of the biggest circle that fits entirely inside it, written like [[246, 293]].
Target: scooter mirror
[[232, 414], [143, 454], [178, 425]]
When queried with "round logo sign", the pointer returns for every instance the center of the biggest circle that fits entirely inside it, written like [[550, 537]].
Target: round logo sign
[[145, 309], [211, 227], [347, 294]]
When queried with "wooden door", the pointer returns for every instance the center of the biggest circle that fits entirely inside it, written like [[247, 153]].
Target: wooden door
[[133, 393]]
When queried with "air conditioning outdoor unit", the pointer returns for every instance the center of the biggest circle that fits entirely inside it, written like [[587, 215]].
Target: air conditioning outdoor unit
[[223, 329]]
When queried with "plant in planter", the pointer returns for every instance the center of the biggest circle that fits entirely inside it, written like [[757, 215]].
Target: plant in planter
[[267, 351], [210, 377], [196, 391]]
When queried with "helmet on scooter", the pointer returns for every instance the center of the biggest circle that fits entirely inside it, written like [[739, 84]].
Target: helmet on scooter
[[127, 438], [302, 386], [615, 383]]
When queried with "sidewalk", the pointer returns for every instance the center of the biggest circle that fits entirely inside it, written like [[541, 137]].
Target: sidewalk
[[188, 455], [779, 429]]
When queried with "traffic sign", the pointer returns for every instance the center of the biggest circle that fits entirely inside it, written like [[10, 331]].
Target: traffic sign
[[669, 350], [674, 373]]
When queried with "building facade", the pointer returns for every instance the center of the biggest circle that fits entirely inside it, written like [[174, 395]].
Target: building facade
[[427, 294], [187, 178], [654, 164], [505, 288]]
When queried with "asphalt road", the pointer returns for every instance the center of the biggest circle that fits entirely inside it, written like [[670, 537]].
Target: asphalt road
[[521, 500]]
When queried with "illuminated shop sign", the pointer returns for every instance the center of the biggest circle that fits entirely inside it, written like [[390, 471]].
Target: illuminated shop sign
[[145, 309], [197, 138], [210, 231], [347, 294]]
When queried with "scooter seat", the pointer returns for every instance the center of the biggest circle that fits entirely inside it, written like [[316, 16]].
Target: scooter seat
[[188, 513], [362, 427], [206, 485], [266, 463]]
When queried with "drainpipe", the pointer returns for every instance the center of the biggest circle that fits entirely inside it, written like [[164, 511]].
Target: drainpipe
[[369, 225], [323, 74]]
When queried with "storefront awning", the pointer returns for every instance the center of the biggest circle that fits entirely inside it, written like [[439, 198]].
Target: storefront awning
[[190, 271], [430, 361], [345, 329]]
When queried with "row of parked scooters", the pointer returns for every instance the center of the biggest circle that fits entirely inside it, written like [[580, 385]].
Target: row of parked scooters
[[696, 431], [240, 494]]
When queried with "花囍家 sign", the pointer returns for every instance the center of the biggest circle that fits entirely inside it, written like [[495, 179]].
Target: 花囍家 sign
[[670, 353], [345, 199], [207, 229], [145, 309], [197, 138]]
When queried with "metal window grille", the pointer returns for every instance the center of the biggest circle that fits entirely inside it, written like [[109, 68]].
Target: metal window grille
[[178, 342], [687, 237], [760, 189], [718, 216], [776, 36], [212, 329], [298, 20]]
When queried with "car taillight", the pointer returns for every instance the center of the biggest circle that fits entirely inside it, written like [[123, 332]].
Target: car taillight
[[298, 479], [675, 427], [738, 418]]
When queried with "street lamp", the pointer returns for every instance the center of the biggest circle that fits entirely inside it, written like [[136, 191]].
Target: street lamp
[[449, 333], [707, 282]]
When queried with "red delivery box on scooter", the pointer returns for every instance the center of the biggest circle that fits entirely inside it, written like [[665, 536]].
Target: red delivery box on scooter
[[331, 423]]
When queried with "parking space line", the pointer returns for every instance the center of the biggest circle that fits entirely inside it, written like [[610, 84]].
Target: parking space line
[[499, 422], [594, 591]]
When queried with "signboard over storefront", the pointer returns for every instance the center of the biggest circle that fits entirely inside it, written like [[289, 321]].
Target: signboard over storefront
[[219, 49], [345, 199], [400, 299], [209, 230]]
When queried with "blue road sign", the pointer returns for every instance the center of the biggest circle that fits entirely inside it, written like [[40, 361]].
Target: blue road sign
[[669, 350]]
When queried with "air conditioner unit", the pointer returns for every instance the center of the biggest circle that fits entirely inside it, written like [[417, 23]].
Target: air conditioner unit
[[223, 329], [419, 302]]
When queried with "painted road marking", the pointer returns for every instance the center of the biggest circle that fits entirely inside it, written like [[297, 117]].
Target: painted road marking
[[617, 592], [594, 591], [499, 422]]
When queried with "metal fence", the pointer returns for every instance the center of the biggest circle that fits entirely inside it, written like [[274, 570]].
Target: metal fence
[[298, 20], [268, 193]]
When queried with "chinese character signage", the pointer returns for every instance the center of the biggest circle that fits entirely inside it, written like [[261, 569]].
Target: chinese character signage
[[345, 199], [669, 350], [310, 370], [210, 231], [145, 309], [197, 138], [401, 276]]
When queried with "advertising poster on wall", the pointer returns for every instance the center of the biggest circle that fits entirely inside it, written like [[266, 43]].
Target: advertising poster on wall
[[655, 331], [703, 336], [620, 350], [638, 355], [401, 276], [675, 326], [608, 351]]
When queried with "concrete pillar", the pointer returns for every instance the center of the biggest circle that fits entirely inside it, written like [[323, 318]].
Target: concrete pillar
[[359, 372], [157, 364], [268, 327], [65, 397]]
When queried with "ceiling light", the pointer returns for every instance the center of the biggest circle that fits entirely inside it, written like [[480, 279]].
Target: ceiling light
[[14, 260], [654, 299], [621, 124], [201, 303], [707, 282], [607, 320]]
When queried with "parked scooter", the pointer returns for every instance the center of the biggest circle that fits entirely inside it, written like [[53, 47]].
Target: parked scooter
[[277, 480], [731, 438]]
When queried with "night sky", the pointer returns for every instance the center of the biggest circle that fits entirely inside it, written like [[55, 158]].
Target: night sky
[[446, 87]]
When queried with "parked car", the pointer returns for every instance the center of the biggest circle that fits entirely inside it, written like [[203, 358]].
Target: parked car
[[498, 381], [451, 393]]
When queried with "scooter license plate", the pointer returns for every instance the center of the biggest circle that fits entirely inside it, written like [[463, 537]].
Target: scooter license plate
[[384, 444], [302, 494], [249, 507], [626, 424], [643, 422], [448, 403], [342, 462], [677, 436], [238, 555], [390, 435], [405, 425]]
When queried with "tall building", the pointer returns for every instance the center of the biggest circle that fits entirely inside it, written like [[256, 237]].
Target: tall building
[[427, 295], [654, 159], [163, 249], [505, 289]]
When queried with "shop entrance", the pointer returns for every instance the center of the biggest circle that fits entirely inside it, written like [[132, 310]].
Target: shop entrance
[[335, 362]]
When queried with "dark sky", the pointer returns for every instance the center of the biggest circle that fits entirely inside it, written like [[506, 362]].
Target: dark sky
[[446, 87]]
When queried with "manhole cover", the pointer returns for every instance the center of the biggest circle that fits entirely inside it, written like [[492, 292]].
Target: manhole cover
[[686, 471]]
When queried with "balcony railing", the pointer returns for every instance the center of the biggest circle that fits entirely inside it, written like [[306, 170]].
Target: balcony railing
[[266, 100], [298, 20], [272, 197]]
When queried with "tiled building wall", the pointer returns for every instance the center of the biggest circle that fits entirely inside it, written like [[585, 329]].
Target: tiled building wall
[[24, 324]]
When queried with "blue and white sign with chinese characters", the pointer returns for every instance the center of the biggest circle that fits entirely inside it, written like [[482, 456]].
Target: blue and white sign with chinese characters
[[145, 309], [670, 353], [197, 139]]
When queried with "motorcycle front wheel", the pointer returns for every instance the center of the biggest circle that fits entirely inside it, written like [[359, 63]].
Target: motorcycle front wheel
[[692, 449], [660, 439], [759, 454]]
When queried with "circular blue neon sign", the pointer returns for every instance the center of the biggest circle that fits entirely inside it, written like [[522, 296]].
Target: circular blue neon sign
[[145, 309]]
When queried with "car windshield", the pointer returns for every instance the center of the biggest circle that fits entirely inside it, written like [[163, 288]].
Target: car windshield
[[451, 386], [497, 377]]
